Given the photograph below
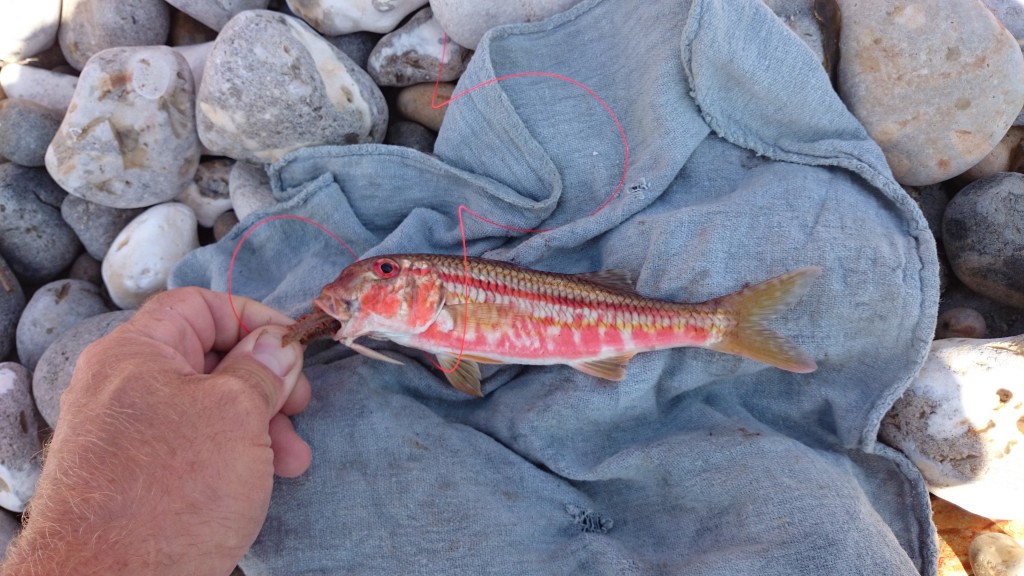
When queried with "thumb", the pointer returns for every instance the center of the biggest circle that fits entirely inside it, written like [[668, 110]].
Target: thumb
[[270, 369]]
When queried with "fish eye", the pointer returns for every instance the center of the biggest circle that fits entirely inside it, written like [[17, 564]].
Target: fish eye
[[385, 268]]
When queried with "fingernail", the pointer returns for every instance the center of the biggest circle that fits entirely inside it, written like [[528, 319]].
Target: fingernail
[[269, 352]]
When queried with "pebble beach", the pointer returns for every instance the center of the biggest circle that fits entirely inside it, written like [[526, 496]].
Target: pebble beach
[[132, 133]]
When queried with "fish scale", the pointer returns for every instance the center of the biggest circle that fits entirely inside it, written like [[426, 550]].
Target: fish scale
[[478, 310]]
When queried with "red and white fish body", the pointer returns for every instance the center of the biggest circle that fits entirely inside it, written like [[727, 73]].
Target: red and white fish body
[[473, 310]]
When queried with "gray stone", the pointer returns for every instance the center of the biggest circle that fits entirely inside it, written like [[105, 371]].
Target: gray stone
[[35, 240], [216, 14], [960, 323], [932, 200], [53, 372], [28, 29], [224, 223], [54, 309], [129, 138], [20, 448], [416, 103], [983, 237], [411, 135], [996, 554], [26, 129], [9, 530], [91, 26], [12, 302], [49, 88], [257, 105], [356, 45], [96, 225], [936, 85], [186, 30], [334, 17], [466, 21], [412, 54], [249, 187], [87, 269]]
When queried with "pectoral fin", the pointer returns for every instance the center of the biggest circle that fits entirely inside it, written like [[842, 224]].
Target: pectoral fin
[[613, 368], [465, 377]]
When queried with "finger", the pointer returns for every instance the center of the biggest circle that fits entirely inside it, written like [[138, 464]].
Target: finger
[[292, 455], [185, 317], [299, 398], [268, 372]]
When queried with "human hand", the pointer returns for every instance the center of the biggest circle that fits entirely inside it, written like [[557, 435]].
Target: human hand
[[163, 459]]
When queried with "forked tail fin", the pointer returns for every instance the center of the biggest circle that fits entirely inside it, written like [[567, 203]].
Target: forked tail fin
[[754, 306]]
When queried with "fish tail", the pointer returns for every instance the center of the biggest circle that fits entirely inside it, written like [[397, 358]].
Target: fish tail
[[753, 306]]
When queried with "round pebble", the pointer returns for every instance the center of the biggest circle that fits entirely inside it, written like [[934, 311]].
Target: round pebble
[[960, 422], [143, 254], [984, 239], [412, 54], [466, 21], [257, 105], [334, 17], [87, 269], [46, 87], [1007, 156], [28, 29], [356, 45], [208, 196], [53, 372], [12, 302], [224, 223], [416, 103], [95, 225], [20, 448], [90, 26], [36, 242], [936, 85], [129, 139], [216, 14], [53, 309], [411, 135], [960, 323], [996, 554], [249, 187], [26, 129]]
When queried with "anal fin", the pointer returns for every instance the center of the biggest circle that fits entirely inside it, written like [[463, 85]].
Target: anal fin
[[612, 368], [465, 377]]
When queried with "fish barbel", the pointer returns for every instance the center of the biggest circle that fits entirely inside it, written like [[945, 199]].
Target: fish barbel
[[484, 311]]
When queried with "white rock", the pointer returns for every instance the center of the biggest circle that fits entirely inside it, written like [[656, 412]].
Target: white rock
[[257, 104], [20, 449], [129, 138], [51, 89], [996, 554], [249, 188], [334, 17], [143, 254], [216, 14], [466, 21], [27, 28], [208, 196], [412, 54], [961, 422]]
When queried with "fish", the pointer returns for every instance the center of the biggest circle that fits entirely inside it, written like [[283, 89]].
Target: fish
[[470, 311]]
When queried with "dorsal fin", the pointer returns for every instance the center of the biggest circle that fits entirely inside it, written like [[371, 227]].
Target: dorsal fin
[[614, 279], [613, 368], [465, 378]]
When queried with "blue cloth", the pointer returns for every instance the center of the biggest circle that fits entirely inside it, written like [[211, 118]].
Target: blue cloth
[[743, 164]]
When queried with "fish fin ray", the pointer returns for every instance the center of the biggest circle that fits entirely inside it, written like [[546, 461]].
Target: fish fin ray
[[615, 279], [371, 353], [754, 306], [612, 368], [465, 377]]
